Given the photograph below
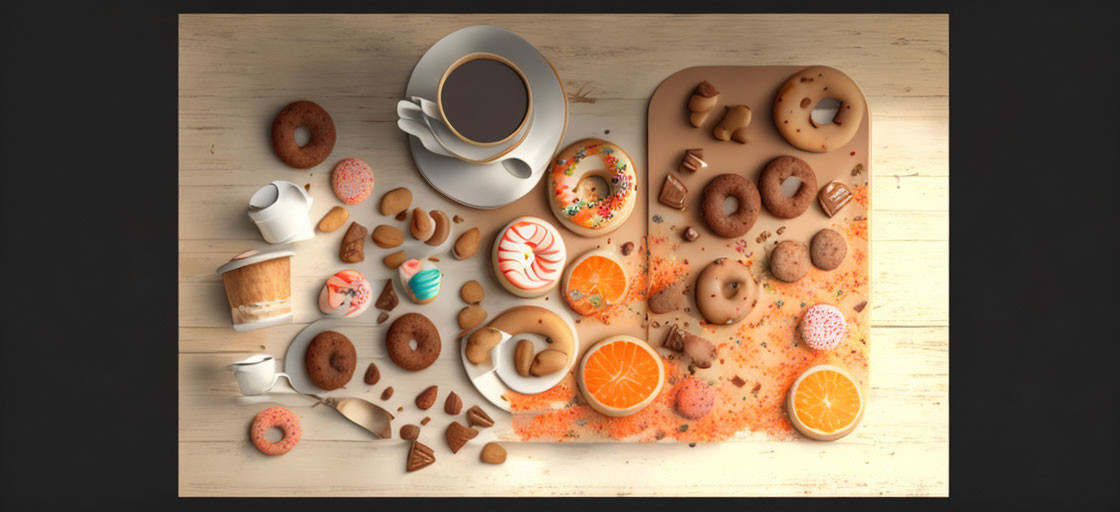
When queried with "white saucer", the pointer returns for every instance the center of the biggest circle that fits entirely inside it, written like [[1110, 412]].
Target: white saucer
[[492, 185], [295, 365], [476, 154]]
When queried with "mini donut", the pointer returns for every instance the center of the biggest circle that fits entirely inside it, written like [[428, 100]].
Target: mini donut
[[726, 292], [421, 279], [793, 109], [823, 327], [770, 184], [275, 417], [694, 398], [409, 327], [348, 283], [528, 257], [789, 261], [719, 189], [574, 205], [827, 249], [317, 121], [521, 320], [330, 360], [352, 180]]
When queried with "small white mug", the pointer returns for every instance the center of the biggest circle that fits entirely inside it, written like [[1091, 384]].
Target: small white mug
[[280, 211], [257, 374]]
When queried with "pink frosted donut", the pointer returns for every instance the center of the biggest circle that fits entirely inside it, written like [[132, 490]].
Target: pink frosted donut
[[695, 398], [528, 257], [352, 180], [280, 417], [823, 327], [348, 283]]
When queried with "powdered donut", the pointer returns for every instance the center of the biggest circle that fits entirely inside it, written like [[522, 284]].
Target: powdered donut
[[413, 326], [348, 283], [770, 185], [694, 398], [726, 292], [823, 327], [718, 190], [352, 180], [330, 360], [317, 121], [285, 420]]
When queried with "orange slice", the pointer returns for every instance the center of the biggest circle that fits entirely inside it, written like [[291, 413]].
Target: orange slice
[[594, 282], [825, 403], [620, 375]]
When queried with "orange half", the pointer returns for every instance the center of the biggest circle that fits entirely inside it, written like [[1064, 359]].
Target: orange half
[[621, 375], [825, 403], [594, 282]]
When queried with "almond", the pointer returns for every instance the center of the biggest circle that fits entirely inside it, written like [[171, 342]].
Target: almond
[[453, 405], [548, 362], [419, 456], [467, 244], [387, 394], [334, 219], [422, 227], [372, 375], [427, 398], [396, 201], [478, 417], [394, 260], [493, 453], [387, 237], [457, 435], [523, 357]]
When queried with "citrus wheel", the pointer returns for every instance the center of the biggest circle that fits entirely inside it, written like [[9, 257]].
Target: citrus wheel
[[825, 403], [594, 282], [620, 375]]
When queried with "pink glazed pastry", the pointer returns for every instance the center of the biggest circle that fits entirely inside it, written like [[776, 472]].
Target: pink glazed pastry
[[823, 327], [352, 180], [348, 283]]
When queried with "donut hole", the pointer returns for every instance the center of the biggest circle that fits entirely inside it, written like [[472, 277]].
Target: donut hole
[[790, 186], [274, 435], [730, 205], [730, 289], [302, 136], [412, 345], [592, 189], [825, 111]]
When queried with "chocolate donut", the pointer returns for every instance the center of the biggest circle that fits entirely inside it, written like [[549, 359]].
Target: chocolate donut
[[726, 292], [318, 122], [413, 326], [330, 360], [770, 184], [738, 223]]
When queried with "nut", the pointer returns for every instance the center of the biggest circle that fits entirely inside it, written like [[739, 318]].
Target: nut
[[472, 292], [453, 405], [353, 249], [427, 398], [394, 260], [736, 118], [387, 394], [480, 343], [372, 375], [442, 228], [493, 453], [410, 432], [387, 237], [396, 201], [467, 244], [457, 435], [627, 248], [334, 219], [382, 317], [388, 298], [471, 316], [422, 227], [523, 357], [478, 417], [701, 103], [548, 362]]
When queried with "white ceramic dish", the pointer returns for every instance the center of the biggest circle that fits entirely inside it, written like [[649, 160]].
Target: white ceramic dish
[[294, 365], [495, 184]]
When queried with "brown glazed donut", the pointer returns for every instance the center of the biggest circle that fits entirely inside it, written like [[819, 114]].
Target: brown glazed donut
[[413, 326], [726, 292], [330, 360], [317, 121], [770, 184], [793, 109], [717, 190]]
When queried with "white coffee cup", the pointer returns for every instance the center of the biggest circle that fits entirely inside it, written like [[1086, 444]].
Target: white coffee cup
[[280, 211], [257, 374]]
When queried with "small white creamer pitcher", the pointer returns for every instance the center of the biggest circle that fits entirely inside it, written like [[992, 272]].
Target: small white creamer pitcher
[[257, 374], [280, 210]]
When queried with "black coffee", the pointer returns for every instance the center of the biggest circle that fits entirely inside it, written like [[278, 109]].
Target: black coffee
[[484, 100]]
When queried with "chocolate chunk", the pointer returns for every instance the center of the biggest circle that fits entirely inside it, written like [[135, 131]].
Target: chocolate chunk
[[738, 381], [388, 299], [693, 161], [673, 192], [382, 317], [402, 215], [352, 249], [706, 89], [690, 234], [834, 196], [675, 339], [419, 456], [627, 248], [670, 298], [478, 417], [859, 307]]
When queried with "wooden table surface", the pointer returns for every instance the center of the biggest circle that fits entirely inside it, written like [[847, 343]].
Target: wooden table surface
[[237, 71]]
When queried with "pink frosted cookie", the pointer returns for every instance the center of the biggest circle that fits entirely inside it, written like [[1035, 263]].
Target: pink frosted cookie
[[352, 180], [695, 398], [348, 283], [823, 327], [281, 418]]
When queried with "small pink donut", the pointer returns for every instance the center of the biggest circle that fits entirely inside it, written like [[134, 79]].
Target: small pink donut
[[823, 327], [280, 417], [695, 398], [348, 283], [352, 180]]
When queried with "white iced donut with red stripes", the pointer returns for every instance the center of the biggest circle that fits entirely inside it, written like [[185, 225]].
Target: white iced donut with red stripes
[[528, 257]]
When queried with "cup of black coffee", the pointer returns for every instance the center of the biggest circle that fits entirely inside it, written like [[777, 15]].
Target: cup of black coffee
[[485, 100]]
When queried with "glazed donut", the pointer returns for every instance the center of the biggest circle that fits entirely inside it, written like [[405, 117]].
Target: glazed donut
[[581, 210], [330, 360], [770, 183], [275, 417], [528, 257], [409, 327], [718, 190], [793, 109], [726, 292], [521, 320], [317, 121], [348, 283]]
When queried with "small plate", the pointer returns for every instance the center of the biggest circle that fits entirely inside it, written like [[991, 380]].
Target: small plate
[[294, 364]]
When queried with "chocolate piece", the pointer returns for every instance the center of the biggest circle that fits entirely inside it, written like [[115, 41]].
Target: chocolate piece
[[457, 435], [859, 307], [693, 161], [738, 381], [674, 340], [627, 248], [410, 432], [690, 235], [419, 456], [352, 249], [478, 417], [673, 192], [834, 196], [388, 299]]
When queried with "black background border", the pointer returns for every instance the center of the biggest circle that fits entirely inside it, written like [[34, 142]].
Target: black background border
[[88, 106]]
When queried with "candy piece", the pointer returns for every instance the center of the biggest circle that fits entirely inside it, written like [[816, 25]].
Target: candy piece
[[421, 279], [528, 257], [834, 196], [346, 284], [352, 180], [673, 192], [419, 456], [701, 103], [694, 398], [823, 327], [693, 161]]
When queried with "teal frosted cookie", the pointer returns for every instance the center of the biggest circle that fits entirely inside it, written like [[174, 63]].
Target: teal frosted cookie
[[421, 279]]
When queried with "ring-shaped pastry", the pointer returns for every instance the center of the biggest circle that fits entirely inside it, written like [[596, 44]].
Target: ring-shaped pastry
[[726, 292], [793, 109], [719, 189], [523, 320], [528, 257], [275, 417], [330, 360], [409, 327], [317, 121], [574, 201], [770, 184]]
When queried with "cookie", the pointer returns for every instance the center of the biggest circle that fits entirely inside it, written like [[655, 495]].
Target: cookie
[[352, 180], [330, 360], [827, 249], [669, 298], [694, 399], [789, 261], [823, 327]]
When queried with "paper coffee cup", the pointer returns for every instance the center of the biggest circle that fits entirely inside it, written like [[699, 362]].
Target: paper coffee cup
[[259, 288]]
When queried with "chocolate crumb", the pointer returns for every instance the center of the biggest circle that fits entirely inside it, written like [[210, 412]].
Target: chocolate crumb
[[307, 187], [425, 420], [402, 215], [690, 234], [627, 248], [781, 230], [859, 307], [754, 391], [382, 317], [738, 381], [457, 219], [399, 409], [433, 258]]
